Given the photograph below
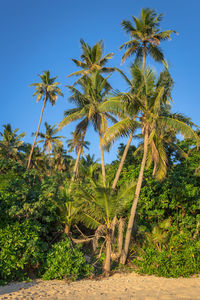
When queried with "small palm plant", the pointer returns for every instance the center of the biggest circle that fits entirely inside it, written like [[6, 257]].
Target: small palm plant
[[100, 209], [68, 209]]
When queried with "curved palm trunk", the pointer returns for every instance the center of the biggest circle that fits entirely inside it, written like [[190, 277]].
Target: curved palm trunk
[[33, 146], [122, 161], [75, 171], [135, 201], [102, 160]]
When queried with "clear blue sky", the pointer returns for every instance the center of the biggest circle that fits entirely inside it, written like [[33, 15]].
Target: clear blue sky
[[38, 35]]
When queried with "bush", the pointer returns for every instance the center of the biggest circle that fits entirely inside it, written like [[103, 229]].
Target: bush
[[21, 251], [180, 257], [66, 262]]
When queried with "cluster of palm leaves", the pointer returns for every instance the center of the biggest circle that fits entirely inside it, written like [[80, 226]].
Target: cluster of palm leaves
[[143, 112]]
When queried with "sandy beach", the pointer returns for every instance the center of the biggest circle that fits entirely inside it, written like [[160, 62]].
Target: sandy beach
[[117, 287]]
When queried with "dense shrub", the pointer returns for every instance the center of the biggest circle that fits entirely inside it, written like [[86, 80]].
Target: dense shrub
[[21, 250], [179, 257], [66, 262]]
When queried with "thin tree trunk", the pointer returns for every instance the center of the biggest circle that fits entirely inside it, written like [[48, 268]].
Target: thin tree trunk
[[102, 160], [50, 165], [75, 171], [122, 161], [114, 222], [120, 236], [33, 146], [144, 58], [135, 201], [108, 254], [76, 164]]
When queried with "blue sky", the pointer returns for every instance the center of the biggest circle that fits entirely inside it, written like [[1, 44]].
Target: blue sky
[[38, 35]]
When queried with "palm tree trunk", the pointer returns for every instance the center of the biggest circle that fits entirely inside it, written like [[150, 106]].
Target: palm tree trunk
[[120, 236], [76, 164], [108, 254], [50, 164], [144, 58], [102, 160], [122, 162], [33, 146], [135, 201], [75, 171]]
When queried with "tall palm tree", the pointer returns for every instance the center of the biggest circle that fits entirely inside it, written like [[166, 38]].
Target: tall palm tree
[[49, 139], [128, 123], [11, 142], [48, 90], [89, 109], [152, 117], [92, 60], [145, 36]]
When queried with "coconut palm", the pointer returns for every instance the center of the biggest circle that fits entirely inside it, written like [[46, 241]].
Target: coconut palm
[[48, 90], [92, 60], [78, 144], [145, 36], [49, 139], [11, 142], [38, 160], [61, 161], [75, 143], [128, 124], [152, 116], [89, 160], [89, 109]]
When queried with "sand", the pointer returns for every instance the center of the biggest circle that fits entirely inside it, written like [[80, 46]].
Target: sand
[[117, 287]]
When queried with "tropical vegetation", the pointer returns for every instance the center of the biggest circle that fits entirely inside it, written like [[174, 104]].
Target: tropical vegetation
[[65, 213]]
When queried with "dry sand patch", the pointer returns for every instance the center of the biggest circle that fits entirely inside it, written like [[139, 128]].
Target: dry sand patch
[[117, 287]]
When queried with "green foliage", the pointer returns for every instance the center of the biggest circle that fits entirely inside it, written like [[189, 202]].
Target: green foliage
[[179, 257], [21, 250], [24, 195], [66, 262]]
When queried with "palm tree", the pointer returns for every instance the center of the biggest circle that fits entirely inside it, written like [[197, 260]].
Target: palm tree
[[100, 209], [78, 144], [61, 161], [128, 124], [11, 142], [38, 159], [89, 160], [89, 109], [152, 117], [145, 36], [49, 139], [92, 60], [48, 90]]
